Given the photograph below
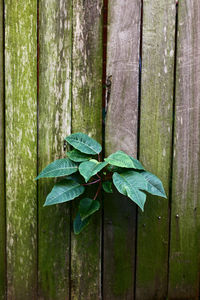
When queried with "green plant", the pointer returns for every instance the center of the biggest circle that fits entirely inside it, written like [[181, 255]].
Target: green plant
[[125, 172]]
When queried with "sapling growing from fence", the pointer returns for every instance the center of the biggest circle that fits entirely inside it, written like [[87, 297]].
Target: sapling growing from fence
[[82, 167]]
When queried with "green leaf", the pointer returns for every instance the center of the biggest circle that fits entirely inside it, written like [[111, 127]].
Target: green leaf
[[137, 163], [107, 186], [154, 184], [79, 225], [58, 168], [63, 191], [84, 143], [123, 160], [78, 156], [90, 168], [129, 184], [87, 207]]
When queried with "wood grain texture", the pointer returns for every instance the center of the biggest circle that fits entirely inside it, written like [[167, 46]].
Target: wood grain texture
[[87, 118], [155, 144], [121, 134], [21, 147], [55, 36], [185, 217], [2, 164]]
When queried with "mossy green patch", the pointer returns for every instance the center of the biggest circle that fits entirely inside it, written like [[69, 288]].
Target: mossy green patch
[[2, 172], [123, 265], [55, 67], [21, 147]]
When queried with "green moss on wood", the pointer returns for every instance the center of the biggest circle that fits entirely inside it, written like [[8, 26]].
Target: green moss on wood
[[185, 217], [2, 173], [55, 42], [118, 241], [21, 147], [155, 144], [123, 266]]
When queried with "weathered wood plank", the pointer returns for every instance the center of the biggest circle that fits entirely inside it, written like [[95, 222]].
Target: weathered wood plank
[[185, 217], [155, 144], [2, 170], [55, 37], [121, 134], [87, 117], [21, 147]]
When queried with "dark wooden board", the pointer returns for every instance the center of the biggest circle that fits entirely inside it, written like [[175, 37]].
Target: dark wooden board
[[185, 217], [87, 118], [156, 123], [121, 134]]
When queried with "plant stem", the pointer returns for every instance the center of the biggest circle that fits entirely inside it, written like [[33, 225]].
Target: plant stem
[[98, 176], [93, 182], [98, 190]]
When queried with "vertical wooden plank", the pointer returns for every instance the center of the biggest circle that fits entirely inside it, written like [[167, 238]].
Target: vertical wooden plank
[[155, 144], [121, 134], [87, 118], [2, 164], [21, 147], [55, 34], [185, 218]]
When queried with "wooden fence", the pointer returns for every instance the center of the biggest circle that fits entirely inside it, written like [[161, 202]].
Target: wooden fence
[[52, 60]]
